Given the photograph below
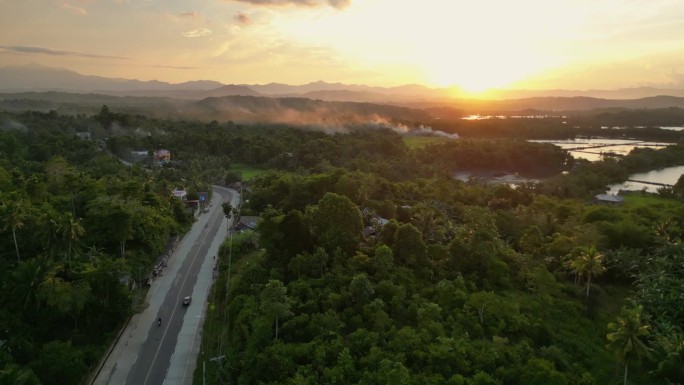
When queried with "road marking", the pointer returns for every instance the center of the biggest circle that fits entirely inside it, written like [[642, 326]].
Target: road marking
[[166, 328]]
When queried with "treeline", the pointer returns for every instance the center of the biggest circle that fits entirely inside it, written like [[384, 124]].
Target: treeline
[[215, 146], [590, 178], [464, 285], [78, 230], [372, 264], [616, 125]]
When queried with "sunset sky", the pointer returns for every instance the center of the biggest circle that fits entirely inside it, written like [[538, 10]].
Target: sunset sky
[[473, 44]]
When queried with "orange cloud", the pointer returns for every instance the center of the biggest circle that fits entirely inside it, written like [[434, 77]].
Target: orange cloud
[[77, 10], [190, 15], [198, 32], [243, 18], [339, 4]]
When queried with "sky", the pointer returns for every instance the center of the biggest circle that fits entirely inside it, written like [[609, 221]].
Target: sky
[[473, 45]]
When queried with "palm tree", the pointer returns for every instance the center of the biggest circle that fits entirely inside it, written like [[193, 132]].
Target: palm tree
[[589, 262], [14, 219], [71, 231], [28, 276], [48, 230], [626, 337]]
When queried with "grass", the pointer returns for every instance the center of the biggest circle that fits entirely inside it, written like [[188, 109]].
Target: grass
[[637, 198], [247, 172], [213, 334], [422, 141]]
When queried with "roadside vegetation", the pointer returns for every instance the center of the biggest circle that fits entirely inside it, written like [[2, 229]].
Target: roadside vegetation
[[244, 172], [371, 264]]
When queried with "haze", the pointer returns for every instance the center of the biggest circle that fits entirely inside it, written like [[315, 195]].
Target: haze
[[472, 45]]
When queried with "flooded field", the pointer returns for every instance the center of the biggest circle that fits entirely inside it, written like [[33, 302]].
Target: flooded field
[[668, 175], [594, 149]]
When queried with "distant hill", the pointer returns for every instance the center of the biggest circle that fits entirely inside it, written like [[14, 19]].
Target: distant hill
[[622, 93], [226, 90], [302, 111], [41, 78], [299, 111], [562, 104]]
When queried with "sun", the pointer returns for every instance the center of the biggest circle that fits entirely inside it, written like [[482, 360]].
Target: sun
[[469, 47], [471, 84]]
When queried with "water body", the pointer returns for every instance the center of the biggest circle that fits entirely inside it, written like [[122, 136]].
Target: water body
[[668, 175], [594, 149]]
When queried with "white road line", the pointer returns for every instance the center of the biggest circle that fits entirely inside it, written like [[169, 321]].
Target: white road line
[[156, 353]]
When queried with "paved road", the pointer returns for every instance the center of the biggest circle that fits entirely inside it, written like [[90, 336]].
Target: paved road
[[147, 354]]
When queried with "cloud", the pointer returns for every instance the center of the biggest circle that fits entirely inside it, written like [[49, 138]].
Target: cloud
[[339, 4], [173, 67], [198, 32], [52, 52], [77, 10], [243, 18], [190, 15]]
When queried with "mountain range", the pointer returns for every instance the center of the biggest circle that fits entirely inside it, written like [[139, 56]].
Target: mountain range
[[321, 104], [36, 77]]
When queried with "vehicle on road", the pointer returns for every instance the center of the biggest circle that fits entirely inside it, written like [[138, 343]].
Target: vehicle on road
[[187, 300]]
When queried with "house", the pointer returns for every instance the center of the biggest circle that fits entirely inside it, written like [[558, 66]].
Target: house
[[83, 135], [180, 194], [139, 155], [611, 199], [162, 156], [376, 223], [246, 223]]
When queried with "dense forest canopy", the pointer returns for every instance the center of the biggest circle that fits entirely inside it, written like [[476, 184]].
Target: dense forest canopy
[[371, 264]]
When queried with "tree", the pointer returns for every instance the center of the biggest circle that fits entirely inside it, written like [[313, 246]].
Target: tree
[[382, 261], [60, 363], [626, 337], [392, 372], [14, 214], [16, 375], [64, 297], [336, 222], [588, 263], [480, 301], [409, 247], [361, 288], [28, 276], [274, 302], [538, 371], [227, 209], [110, 220], [72, 231]]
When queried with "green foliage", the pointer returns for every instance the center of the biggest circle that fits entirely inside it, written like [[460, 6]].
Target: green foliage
[[466, 284], [69, 211], [336, 222], [274, 303], [627, 337], [587, 263], [413, 142], [59, 363]]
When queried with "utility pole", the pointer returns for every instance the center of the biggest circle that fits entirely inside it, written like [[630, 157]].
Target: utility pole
[[204, 367]]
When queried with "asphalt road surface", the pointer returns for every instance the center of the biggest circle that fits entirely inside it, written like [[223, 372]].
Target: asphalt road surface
[[144, 353]]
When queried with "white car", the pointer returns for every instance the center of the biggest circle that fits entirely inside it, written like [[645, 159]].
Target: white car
[[187, 300]]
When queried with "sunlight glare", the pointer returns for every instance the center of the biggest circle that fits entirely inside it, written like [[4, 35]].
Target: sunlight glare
[[466, 45]]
